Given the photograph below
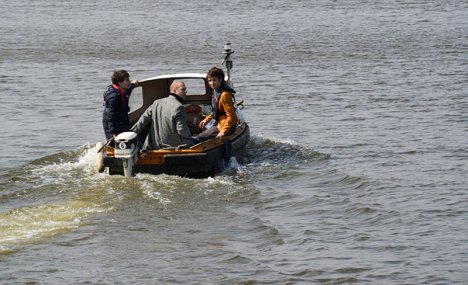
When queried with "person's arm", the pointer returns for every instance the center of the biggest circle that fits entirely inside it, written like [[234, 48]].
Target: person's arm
[[112, 112], [205, 121], [134, 84], [144, 121], [227, 104], [182, 126]]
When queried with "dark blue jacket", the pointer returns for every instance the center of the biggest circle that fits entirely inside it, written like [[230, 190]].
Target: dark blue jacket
[[115, 115]]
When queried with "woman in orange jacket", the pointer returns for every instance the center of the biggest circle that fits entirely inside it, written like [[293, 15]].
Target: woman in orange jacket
[[223, 119]]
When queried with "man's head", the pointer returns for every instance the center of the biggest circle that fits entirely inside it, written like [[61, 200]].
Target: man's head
[[178, 88], [121, 78]]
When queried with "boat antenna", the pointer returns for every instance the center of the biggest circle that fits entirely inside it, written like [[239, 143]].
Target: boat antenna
[[227, 59]]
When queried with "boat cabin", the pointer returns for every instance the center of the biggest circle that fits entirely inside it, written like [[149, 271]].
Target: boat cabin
[[197, 103]]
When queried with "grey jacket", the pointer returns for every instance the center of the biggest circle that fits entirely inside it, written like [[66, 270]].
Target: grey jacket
[[167, 124]]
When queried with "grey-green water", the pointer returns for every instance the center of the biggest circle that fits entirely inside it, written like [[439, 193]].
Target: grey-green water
[[356, 170]]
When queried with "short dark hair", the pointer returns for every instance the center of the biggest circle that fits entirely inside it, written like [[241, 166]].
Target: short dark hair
[[119, 76], [216, 72]]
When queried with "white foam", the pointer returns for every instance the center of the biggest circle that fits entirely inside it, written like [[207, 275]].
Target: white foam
[[31, 224]]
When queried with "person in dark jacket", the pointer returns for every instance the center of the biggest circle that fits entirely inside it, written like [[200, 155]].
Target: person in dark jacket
[[115, 115]]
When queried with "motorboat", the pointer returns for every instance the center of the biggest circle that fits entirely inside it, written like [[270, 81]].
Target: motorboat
[[122, 155]]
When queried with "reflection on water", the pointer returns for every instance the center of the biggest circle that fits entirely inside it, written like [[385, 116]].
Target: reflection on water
[[27, 225]]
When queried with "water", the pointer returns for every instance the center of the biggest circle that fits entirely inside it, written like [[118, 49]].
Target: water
[[356, 170]]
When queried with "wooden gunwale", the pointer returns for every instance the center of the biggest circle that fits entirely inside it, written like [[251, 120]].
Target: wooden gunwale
[[157, 156]]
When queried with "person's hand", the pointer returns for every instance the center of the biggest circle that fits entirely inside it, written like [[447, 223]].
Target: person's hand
[[203, 123], [220, 135], [135, 82]]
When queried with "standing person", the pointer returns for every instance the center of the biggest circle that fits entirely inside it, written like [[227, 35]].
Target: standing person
[[115, 115], [166, 120], [223, 119]]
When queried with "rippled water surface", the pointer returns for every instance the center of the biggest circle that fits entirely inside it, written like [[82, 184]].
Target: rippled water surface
[[356, 169]]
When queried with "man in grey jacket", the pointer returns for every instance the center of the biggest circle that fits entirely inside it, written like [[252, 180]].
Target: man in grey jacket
[[166, 120]]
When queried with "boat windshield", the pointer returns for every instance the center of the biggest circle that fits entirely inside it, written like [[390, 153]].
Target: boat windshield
[[136, 99], [195, 86]]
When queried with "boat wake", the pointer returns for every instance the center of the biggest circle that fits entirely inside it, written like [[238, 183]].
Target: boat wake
[[264, 150], [31, 224], [56, 194], [49, 196]]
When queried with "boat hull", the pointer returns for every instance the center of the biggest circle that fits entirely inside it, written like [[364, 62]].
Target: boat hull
[[201, 161]]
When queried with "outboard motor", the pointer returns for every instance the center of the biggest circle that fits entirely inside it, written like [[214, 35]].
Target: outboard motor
[[126, 149]]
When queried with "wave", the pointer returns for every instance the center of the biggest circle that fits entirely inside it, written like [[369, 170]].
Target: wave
[[76, 169], [50, 196], [80, 162], [272, 150], [29, 225], [56, 194]]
